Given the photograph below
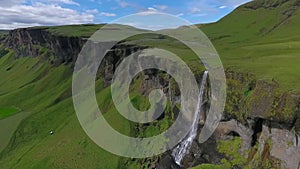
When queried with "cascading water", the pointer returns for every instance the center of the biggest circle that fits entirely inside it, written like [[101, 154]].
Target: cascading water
[[183, 148]]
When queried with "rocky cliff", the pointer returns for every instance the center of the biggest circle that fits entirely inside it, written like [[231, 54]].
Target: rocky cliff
[[58, 49], [29, 42]]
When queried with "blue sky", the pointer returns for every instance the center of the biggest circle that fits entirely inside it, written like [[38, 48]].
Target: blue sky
[[25, 13]]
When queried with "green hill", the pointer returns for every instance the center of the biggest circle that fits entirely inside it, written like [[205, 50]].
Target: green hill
[[44, 91], [261, 37]]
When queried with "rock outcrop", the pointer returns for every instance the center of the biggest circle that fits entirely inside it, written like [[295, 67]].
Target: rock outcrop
[[29, 42], [284, 146], [231, 128]]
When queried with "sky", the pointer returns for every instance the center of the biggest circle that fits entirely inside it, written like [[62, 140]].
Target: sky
[[27, 13]]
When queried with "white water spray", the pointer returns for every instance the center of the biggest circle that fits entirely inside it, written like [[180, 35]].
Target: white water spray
[[183, 148]]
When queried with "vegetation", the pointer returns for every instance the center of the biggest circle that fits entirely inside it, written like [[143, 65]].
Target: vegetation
[[84, 31], [208, 166], [44, 91], [266, 46], [231, 149], [3, 32], [7, 111]]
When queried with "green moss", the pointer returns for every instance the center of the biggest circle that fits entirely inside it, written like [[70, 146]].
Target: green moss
[[234, 98], [263, 160], [208, 166], [231, 149]]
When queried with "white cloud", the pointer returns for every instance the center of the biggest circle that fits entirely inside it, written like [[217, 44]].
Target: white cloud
[[195, 10], [203, 7], [107, 14], [92, 11], [152, 9], [212, 6], [161, 7], [180, 14], [95, 11], [148, 11], [41, 14], [231, 3], [8, 3], [68, 2], [55, 2], [122, 4]]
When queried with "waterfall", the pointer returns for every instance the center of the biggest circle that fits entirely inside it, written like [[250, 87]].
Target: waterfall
[[183, 148]]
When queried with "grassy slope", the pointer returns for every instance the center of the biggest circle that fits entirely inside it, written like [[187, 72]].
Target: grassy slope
[[8, 126], [7, 111], [261, 41], [84, 31], [44, 92]]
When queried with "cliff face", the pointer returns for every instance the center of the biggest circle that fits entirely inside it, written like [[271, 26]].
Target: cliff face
[[58, 49], [29, 42]]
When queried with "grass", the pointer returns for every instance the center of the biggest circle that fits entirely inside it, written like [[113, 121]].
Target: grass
[[250, 43], [37, 147], [208, 166], [7, 111], [44, 92], [84, 31], [8, 126], [269, 61]]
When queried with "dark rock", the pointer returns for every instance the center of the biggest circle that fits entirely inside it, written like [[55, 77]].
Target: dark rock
[[27, 42]]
